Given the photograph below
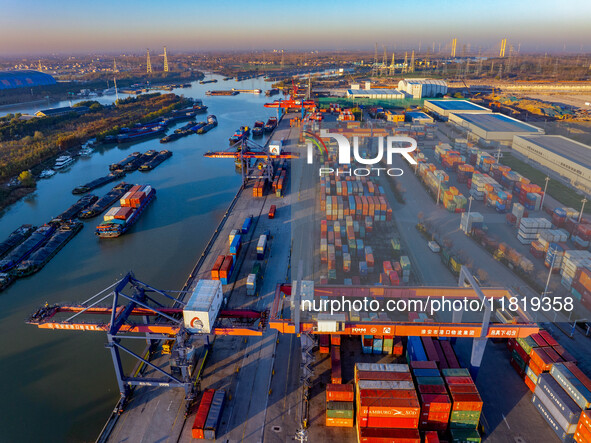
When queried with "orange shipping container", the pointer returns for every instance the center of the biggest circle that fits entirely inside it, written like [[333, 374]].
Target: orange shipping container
[[337, 392], [339, 422]]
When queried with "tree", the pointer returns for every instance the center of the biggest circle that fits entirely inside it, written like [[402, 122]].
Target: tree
[[26, 179], [38, 135]]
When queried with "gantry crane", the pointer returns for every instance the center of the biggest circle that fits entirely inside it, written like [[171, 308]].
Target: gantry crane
[[244, 150], [131, 309]]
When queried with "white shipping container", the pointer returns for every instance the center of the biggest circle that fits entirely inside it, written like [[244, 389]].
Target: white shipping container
[[110, 215], [330, 322], [382, 367], [203, 307]]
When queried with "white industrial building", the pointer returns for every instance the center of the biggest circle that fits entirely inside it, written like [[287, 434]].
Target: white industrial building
[[566, 157], [492, 129], [442, 108], [384, 94], [423, 87]]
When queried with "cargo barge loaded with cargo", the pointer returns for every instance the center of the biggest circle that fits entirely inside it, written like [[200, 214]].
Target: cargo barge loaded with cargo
[[119, 219], [105, 201]]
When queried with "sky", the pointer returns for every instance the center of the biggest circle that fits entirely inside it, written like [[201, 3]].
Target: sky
[[122, 26]]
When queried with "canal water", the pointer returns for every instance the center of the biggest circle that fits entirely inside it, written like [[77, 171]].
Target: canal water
[[60, 385]]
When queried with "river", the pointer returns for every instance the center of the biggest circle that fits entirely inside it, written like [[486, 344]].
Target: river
[[60, 385]]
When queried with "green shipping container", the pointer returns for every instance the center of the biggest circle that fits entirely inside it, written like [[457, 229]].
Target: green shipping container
[[450, 372], [465, 436], [465, 415], [527, 343], [430, 381]]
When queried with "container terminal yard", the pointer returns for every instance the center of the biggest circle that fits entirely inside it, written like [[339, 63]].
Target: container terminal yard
[[231, 357], [351, 224]]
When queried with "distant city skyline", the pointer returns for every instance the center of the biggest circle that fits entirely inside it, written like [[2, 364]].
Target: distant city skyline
[[66, 26]]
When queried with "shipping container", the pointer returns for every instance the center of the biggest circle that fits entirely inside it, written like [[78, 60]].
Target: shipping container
[[338, 392], [202, 412], [215, 415]]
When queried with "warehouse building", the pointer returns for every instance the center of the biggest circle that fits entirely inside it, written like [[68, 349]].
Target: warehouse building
[[442, 108], [58, 112], [422, 87], [383, 94], [418, 118], [566, 157], [24, 79], [492, 129]]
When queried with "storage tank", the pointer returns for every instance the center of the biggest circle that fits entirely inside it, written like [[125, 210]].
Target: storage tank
[[202, 309]]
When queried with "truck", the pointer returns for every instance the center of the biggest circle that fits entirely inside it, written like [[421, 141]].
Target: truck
[[434, 246], [261, 247]]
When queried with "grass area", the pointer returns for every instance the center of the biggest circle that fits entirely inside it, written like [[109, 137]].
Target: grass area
[[556, 189]]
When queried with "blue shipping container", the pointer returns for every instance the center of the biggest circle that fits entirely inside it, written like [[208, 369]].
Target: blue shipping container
[[416, 350], [566, 405], [572, 385], [246, 224], [215, 415], [426, 373], [560, 433]]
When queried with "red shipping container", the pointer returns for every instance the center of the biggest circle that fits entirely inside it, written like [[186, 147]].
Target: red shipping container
[[383, 375], [539, 340], [335, 339], [459, 380], [368, 395], [520, 371], [463, 389], [431, 437], [564, 354], [450, 355], [430, 349], [466, 402], [432, 389], [546, 336], [338, 392], [215, 271], [388, 407], [511, 344], [202, 411], [524, 356], [397, 347], [134, 189], [324, 342], [423, 365], [554, 356], [123, 213], [541, 359], [441, 356], [226, 268], [435, 403], [389, 422], [385, 435]]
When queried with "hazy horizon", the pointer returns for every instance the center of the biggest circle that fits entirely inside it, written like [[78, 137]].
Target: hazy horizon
[[110, 27]]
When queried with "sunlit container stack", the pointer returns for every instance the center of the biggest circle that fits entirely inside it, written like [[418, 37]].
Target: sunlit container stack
[[387, 403], [478, 185], [340, 402], [530, 228], [560, 397], [466, 404], [572, 262], [581, 287]]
